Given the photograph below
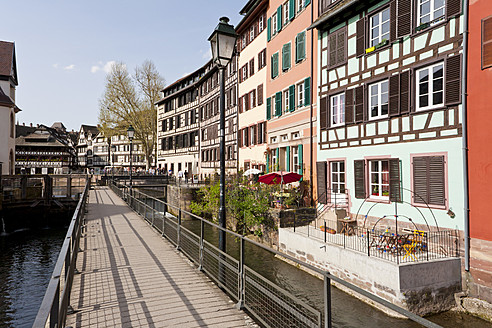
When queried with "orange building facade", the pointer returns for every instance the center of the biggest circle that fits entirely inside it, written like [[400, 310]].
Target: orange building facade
[[291, 87], [479, 115]]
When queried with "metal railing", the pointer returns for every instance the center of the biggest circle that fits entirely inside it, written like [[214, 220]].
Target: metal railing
[[401, 247], [56, 302], [268, 303]]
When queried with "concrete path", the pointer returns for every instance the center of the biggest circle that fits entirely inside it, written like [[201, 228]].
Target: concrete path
[[131, 277]]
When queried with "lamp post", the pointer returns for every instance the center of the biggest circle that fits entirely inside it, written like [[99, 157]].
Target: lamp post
[[113, 149], [223, 43], [131, 134]]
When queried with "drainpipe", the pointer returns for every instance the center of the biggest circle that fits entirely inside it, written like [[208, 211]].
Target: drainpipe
[[311, 108], [464, 139]]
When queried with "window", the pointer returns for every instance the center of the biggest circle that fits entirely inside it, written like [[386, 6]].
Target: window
[[243, 41], [486, 42], [337, 49], [274, 65], [430, 10], [378, 100], [429, 180], [286, 102], [12, 125], [284, 137], [430, 91], [245, 72], [337, 178], [252, 99], [379, 179], [274, 23], [337, 110], [252, 67], [295, 135], [300, 95], [274, 159], [273, 140], [300, 46], [380, 27], [262, 59], [251, 33], [286, 57], [295, 159], [252, 135], [260, 24], [300, 5], [286, 12]]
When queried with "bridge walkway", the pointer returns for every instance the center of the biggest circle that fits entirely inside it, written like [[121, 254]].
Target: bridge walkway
[[131, 277]]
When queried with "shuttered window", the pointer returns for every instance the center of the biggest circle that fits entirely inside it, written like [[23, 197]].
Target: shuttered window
[[259, 91], [323, 106], [278, 104], [269, 108], [274, 68], [321, 182], [453, 80], [269, 29], [487, 42], [292, 98], [360, 179], [430, 10], [307, 91], [337, 110], [429, 180], [361, 37], [286, 57], [300, 46], [337, 48], [349, 106]]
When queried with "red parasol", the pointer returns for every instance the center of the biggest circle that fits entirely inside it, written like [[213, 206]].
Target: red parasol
[[280, 177]]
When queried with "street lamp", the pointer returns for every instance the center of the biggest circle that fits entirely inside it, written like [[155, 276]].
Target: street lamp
[[223, 43], [113, 149], [131, 134]]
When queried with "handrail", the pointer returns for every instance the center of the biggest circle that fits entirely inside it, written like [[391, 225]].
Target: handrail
[[53, 310], [130, 197]]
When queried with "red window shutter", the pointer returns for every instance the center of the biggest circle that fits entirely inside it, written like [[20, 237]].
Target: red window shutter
[[394, 93], [349, 106], [405, 92], [359, 104], [361, 37], [323, 113], [453, 80], [453, 8], [246, 102], [393, 20], [321, 182], [394, 180], [360, 179], [486, 42], [260, 94], [404, 18]]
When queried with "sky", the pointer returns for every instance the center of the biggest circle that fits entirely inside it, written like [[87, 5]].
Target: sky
[[64, 48]]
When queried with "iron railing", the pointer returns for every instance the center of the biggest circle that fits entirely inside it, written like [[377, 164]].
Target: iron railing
[[267, 302], [56, 302], [401, 247]]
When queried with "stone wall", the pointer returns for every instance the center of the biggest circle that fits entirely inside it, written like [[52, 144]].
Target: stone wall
[[180, 196]]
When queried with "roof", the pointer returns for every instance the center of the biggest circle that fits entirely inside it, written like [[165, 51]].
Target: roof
[[250, 10], [23, 130], [59, 126], [8, 66], [340, 11], [90, 128]]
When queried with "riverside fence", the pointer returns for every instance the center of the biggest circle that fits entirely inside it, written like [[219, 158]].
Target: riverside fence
[[267, 302], [56, 302]]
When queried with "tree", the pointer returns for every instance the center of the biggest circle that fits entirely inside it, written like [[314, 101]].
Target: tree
[[130, 100]]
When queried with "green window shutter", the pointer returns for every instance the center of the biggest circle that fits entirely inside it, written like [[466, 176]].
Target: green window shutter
[[300, 158], [277, 166], [302, 45], [268, 161], [306, 2], [278, 103], [292, 98], [307, 91], [274, 65], [269, 29], [269, 108], [292, 9], [297, 48], [279, 18], [286, 56], [287, 165]]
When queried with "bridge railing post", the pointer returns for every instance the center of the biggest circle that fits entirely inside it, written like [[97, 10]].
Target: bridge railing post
[[327, 301], [153, 211], [241, 276], [202, 233], [178, 239]]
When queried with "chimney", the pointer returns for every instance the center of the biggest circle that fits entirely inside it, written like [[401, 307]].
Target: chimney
[[31, 125], [23, 124], [37, 125]]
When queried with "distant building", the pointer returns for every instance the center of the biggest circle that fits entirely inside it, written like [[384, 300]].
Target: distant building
[[8, 109], [44, 150], [94, 152]]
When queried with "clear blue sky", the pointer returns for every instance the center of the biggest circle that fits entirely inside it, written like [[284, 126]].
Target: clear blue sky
[[62, 47]]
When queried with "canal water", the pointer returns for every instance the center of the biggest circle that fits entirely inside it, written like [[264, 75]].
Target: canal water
[[347, 311], [27, 259]]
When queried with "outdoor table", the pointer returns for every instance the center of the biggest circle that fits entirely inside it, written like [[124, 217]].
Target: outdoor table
[[348, 226]]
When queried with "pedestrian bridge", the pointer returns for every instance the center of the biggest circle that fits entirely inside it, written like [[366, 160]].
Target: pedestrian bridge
[[115, 269], [131, 277]]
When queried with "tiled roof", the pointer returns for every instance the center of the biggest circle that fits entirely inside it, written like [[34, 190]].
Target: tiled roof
[[4, 99], [6, 58]]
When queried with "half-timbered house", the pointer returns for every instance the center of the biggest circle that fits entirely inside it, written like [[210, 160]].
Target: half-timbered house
[[390, 121]]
